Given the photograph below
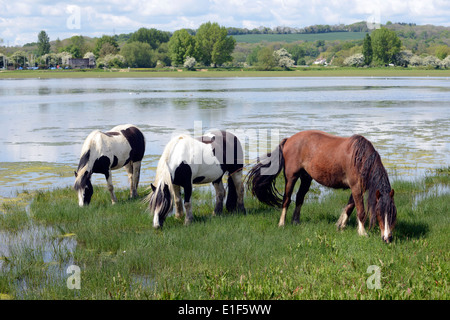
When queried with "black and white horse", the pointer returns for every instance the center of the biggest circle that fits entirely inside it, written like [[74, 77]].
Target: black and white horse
[[187, 161], [123, 146]]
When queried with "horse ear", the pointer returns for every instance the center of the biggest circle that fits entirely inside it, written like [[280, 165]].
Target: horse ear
[[392, 193], [378, 194], [153, 187]]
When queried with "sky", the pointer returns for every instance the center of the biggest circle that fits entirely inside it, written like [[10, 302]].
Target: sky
[[21, 21]]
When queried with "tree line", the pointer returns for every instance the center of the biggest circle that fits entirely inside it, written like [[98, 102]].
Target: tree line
[[213, 45], [146, 48]]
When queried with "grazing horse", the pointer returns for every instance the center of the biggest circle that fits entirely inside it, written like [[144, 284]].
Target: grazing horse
[[187, 161], [123, 146], [334, 162]]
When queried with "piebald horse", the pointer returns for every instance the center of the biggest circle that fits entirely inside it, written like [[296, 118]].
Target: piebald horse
[[187, 161], [332, 161], [122, 146]]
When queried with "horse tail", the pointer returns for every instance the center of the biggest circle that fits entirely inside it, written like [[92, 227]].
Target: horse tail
[[262, 177], [231, 203]]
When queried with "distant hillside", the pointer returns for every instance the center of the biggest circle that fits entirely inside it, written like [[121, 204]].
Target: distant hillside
[[293, 37]]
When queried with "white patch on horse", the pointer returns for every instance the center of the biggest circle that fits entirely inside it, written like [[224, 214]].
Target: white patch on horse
[[109, 151]]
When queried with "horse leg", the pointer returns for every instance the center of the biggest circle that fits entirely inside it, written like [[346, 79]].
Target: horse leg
[[289, 187], [135, 178], [187, 204], [220, 195], [358, 197], [237, 180], [304, 187], [342, 222], [111, 187], [129, 168], [178, 201]]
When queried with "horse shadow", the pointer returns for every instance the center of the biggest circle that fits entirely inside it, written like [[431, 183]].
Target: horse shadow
[[405, 230]]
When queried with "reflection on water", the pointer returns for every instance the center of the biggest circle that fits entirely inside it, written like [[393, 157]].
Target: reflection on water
[[47, 120]]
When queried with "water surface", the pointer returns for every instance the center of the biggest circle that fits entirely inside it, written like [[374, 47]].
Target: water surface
[[45, 121]]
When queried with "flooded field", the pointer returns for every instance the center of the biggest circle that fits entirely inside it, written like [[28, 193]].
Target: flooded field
[[45, 121]]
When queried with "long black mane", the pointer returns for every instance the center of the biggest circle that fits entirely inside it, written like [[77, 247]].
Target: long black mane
[[81, 182], [373, 175]]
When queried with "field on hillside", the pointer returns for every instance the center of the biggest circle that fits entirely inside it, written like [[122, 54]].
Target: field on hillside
[[256, 38]]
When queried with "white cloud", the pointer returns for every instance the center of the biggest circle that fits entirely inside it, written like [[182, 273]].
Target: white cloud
[[20, 22]]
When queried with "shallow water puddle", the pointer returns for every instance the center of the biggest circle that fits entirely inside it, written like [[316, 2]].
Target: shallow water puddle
[[436, 190], [16, 177]]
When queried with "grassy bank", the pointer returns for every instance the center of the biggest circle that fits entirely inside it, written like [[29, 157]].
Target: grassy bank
[[211, 72], [231, 256]]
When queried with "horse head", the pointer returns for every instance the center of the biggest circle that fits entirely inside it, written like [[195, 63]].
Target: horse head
[[160, 204], [386, 214], [84, 187]]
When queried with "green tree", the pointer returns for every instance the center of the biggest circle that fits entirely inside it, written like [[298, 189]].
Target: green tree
[[152, 37], [213, 45], [367, 50], [442, 52], [266, 59], [108, 44], [385, 45], [18, 58], [43, 43], [76, 47], [138, 55], [252, 57], [181, 46], [297, 52]]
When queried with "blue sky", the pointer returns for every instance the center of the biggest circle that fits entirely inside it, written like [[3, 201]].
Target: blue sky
[[21, 21]]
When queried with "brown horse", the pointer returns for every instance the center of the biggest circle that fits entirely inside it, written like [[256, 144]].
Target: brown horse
[[332, 161]]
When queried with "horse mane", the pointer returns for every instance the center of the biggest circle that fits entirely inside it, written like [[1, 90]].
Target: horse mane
[[373, 175], [83, 173], [163, 178]]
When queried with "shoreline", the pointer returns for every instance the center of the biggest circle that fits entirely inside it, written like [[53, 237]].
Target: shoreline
[[221, 73]]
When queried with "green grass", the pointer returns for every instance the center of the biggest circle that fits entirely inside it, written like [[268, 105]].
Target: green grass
[[232, 256], [331, 36], [233, 72]]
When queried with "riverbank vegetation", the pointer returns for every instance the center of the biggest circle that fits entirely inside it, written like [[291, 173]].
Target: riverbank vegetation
[[314, 71], [233, 256], [398, 44]]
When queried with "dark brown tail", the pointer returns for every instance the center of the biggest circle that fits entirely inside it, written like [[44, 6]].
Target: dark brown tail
[[262, 177]]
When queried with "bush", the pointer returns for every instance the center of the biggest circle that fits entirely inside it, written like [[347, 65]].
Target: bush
[[446, 62], [356, 60], [431, 62], [112, 61], [189, 63], [403, 58], [283, 58], [415, 61]]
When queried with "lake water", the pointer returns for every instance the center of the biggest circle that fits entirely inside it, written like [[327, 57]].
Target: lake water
[[44, 121]]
